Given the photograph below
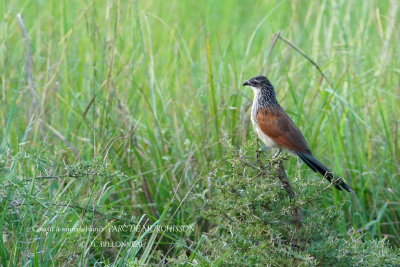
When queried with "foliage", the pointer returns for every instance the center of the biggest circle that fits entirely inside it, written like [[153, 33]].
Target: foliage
[[142, 92], [251, 218]]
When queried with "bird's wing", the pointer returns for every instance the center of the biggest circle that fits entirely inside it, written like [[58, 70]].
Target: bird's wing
[[278, 126]]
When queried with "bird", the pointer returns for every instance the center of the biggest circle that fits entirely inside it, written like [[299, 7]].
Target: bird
[[277, 130]]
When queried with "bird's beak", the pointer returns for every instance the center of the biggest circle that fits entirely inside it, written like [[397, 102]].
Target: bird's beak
[[246, 83]]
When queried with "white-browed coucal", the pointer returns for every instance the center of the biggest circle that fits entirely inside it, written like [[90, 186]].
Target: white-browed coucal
[[275, 128]]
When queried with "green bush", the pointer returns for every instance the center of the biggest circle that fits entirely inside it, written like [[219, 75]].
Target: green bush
[[251, 221], [248, 218]]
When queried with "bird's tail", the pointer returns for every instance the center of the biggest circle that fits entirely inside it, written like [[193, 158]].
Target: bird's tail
[[317, 166]]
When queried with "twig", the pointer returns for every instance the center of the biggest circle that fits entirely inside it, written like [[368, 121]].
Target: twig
[[285, 181], [296, 215], [307, 57], [254, 166], [276, 36], [47, 177], [313, 198], [297, 218], [28, 62], [69, 175], [84, 210]]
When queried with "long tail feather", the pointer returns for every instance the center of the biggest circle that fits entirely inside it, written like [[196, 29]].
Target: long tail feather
[[317, 166]]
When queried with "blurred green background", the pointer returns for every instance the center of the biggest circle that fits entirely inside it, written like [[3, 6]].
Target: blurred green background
[[152, 87]]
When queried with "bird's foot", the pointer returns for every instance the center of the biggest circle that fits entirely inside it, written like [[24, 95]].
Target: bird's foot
[[277, 154]]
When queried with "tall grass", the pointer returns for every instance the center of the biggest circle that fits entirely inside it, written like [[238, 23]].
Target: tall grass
[[151, 87]]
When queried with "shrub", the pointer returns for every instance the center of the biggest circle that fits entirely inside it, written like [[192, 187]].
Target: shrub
[[251, 221]]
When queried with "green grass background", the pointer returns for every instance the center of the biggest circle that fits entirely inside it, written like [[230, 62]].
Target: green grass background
[[151, 87]]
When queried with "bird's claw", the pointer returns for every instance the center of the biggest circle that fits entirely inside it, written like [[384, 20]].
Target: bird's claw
[[263, 148], [277, 154]]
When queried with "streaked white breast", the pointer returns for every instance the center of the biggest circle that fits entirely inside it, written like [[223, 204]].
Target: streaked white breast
[[269, 143]]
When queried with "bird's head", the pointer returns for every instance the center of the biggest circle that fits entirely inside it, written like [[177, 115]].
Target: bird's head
[[259, 82], [263, 88]]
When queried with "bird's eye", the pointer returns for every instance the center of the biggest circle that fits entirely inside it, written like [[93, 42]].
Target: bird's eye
[[253, 82]]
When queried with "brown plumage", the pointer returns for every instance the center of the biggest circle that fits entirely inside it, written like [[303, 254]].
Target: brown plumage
[[278, 126]]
